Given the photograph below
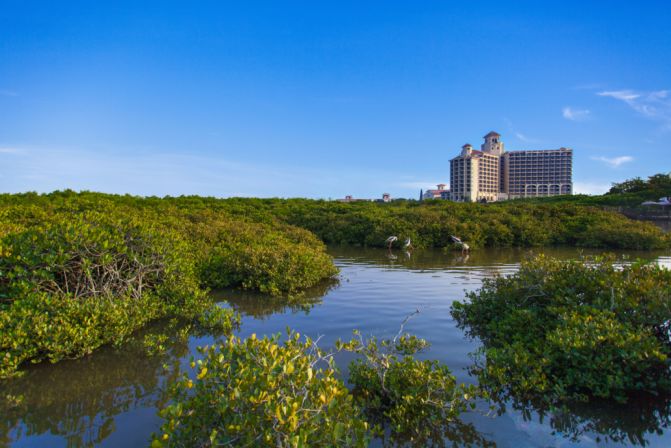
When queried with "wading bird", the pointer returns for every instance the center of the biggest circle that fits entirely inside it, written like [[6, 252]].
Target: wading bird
[[391, 241], [464, 247], [662, 201], [407, 245]]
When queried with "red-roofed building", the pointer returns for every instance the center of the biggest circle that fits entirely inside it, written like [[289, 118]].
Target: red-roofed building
[[439, 193]]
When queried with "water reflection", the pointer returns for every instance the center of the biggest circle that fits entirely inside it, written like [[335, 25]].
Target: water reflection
[[453, 433], [111, 397], [77, 401], [261, 306], [604, 421]]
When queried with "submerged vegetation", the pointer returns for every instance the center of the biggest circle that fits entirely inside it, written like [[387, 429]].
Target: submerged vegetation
[[573, 330]]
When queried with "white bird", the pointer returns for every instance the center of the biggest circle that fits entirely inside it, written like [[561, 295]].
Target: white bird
[[407, 245], [464, 247], [662, 201], [391, 240]]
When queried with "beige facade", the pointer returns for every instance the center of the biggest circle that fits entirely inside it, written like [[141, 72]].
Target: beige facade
[[538, 173], [493, 174]]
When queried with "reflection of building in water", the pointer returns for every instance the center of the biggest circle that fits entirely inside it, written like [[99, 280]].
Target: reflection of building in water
[[492, 174]]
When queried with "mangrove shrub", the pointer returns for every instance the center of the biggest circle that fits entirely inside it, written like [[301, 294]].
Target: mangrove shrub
[[262, 392], [573, 329], [74, 283], [417, 401]]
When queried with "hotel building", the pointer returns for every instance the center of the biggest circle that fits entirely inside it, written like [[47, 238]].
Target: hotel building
[[492, 174]]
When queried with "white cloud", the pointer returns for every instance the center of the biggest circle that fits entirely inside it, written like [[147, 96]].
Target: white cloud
[[590, 188], [623, 95], [655, 105], [575, 114], [614, 162], [10, 151], [525, 138]]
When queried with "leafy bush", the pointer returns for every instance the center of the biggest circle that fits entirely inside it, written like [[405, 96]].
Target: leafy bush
[[95, 255], [117, 262], [419, 401], [560, 220], [576, 329], [260, 392], [75, 283], [272, 259]]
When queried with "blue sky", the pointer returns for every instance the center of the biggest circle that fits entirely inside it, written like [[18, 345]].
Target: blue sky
[[324, 99]]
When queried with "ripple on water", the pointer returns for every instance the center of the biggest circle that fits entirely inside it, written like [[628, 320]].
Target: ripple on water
[[109, 399]]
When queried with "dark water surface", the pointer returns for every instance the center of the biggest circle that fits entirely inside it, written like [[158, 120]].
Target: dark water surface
[[111, 397]]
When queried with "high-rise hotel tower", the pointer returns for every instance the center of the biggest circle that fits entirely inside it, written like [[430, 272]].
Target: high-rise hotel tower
[[492, 174]]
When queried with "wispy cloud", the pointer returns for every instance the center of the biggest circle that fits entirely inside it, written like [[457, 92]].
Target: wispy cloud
[[520, 136], [655, 105], [525, 138], [10, 150], [614, 162], [5, 92], [590, 188], [575, 114], [622, 95]]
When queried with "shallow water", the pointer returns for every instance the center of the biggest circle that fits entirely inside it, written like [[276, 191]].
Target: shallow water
[[111, 397]]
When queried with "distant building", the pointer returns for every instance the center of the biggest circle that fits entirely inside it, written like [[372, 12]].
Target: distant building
[[538, 173], [439, 193], [386, 197], [492, 174], [350, 198]]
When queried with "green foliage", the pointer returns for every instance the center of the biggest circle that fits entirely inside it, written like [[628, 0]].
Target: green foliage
[[78, 271], [97, 255], [260, 392], [629, 193], [264, 392], [156, 344], [105, 265], [45, 327], [430, 223], [656, 185], [217, 320], [235, 222], [273, 259], [560, 330], [75, 283], [418, 401]]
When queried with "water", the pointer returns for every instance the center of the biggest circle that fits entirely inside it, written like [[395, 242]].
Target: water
[[111, 397]]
